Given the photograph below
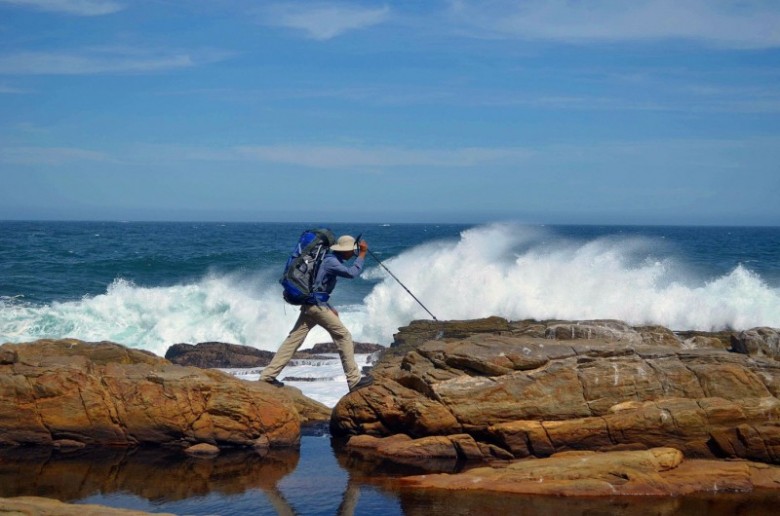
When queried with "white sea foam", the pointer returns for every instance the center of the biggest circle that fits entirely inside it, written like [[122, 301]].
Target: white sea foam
[[521, 272], [512, 271], [322, 380], [235, 309]]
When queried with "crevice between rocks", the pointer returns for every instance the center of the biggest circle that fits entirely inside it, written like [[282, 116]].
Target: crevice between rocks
[[38, 412]]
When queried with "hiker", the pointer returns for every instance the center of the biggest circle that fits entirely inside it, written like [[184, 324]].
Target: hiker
[[315, 313]]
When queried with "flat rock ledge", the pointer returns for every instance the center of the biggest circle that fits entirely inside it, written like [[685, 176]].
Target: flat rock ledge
[[661, 471], [224, 355], [653, 472], [69, 394], [536, 389], [38, 506]]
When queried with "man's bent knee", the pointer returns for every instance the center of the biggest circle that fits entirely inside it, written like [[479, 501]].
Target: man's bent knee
[[341, 335]]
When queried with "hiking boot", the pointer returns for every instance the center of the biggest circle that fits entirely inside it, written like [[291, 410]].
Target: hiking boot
[[364, 382], [272, 381]]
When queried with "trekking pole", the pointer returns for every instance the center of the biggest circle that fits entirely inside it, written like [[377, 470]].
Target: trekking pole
[[399, 282]]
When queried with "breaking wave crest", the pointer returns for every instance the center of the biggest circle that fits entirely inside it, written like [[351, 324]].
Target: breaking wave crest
[[521, 272], [235, 309]]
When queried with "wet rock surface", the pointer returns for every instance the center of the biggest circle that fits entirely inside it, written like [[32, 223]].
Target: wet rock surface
[[653, 472]]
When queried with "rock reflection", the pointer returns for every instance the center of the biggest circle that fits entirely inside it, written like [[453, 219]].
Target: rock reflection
[[367, 471], [151, 473], [168, 476], [426, 503], [362, 464]]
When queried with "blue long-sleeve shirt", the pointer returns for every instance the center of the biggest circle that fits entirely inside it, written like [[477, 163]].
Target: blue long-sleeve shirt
[[332, 267]]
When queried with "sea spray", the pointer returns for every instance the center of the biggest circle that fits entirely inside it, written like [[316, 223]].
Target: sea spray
[[520, 272], [232, 308], [509, 270]]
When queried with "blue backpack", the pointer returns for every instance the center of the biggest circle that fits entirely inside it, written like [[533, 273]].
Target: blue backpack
[[302, 266]]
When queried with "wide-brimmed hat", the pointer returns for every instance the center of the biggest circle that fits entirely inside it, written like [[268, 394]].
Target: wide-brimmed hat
[[344, 243]]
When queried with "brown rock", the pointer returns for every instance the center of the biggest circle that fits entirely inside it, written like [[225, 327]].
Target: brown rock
[[218, 354], [402, 410], [52, 351], [202, 450], [763, 342], [612, 331], [35, 505], [421, 331], [534, 396], [106, 394], [309, 410], [431, 453], [222, 355], [433, 447], [68, 444], [8, 356], [702, 339], [658, 472]]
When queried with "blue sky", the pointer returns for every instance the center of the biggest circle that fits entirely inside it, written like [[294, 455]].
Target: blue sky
[[600, 111]]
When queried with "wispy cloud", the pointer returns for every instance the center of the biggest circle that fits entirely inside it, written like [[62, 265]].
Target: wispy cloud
[[324, 20], [5, 89], [74, 7], [340, 156], [727, 23], [52, 156], [353, 157], [105, 60]]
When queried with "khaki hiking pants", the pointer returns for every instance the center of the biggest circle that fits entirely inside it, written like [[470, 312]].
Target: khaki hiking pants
[[311, 316]]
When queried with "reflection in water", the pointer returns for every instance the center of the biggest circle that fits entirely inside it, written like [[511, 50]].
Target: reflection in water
[[158, 479], [320, 479], [429, 503], [150, 473], [365, 470]]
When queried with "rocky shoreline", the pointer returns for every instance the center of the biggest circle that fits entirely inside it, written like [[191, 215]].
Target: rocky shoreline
[[573, 408], [642, 410]]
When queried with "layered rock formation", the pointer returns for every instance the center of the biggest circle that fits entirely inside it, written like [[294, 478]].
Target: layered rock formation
[[526, 388], [763, 342], [70, 393], [654, 472], [217, 354], [222, 355]]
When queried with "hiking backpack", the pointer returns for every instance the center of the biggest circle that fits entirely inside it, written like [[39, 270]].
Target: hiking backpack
[[302, 265]]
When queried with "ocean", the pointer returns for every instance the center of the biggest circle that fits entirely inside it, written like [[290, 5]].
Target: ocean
[[151, 285]]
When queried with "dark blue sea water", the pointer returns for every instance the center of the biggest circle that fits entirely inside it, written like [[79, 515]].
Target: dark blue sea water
[[150, 285]]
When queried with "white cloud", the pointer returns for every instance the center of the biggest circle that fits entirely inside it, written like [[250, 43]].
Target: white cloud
[[50, 155], [100, 61], [355, 157], [5, 89], [729, 23], [324, 21], [75, 7], [339, 157]]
